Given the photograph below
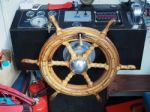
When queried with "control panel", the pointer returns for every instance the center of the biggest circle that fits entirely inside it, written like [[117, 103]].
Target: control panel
[[36, 19], [70, 18]]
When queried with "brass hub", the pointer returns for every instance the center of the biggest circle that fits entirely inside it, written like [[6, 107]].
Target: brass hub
[[79, 66]]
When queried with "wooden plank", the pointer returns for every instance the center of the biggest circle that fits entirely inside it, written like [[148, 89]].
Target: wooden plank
[[129, 83]]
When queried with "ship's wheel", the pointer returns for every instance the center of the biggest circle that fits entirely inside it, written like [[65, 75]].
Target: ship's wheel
[[79, 55]]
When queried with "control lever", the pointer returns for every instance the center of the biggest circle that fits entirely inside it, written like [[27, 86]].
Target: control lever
[[85, 13], [136, 9], [77, 12], [49, 26], [76, 5]]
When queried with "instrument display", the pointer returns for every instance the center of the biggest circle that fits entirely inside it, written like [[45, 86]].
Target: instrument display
[[77, 16], [38, 21], [30, 14], [41, 13], [52, 13], [105, 16]]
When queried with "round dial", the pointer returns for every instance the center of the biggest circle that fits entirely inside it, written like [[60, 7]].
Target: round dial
[[52, 13], [40, 13], [38, 21], [30, 14], [87, 2]]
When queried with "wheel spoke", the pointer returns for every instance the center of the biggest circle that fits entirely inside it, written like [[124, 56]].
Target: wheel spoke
[[54, 95], [71, 51], [59, 63], [68, 78], [99, 65], [98, 97], [87, 78], [127, 67], [30, 61], [89, 51]]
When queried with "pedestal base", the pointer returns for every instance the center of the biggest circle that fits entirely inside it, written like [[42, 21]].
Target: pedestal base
[[64, 103]]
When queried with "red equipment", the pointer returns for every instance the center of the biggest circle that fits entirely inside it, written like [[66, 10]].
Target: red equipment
[[17, 94], [130, 106], [67, 5], [13, 108], [42, 101], [26, 101]]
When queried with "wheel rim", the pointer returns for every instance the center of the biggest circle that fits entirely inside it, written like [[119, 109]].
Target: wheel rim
[[78, 90], [66, 36]]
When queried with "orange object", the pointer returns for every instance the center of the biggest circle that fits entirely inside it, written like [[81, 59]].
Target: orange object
[[126, 107], [42, 101]]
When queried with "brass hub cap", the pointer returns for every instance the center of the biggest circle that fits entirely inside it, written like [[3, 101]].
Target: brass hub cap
[[79, 66]]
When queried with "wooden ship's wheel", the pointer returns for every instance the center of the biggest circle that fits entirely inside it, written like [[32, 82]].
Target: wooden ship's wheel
[[79, 43]]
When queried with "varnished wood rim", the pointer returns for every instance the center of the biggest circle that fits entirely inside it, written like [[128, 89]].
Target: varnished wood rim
[[63, 37], [79, 90]]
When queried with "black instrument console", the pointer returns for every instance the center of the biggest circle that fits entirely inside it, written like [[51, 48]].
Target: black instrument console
[[30, 29]]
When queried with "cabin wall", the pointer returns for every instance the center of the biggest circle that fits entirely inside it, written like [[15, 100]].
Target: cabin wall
[[7, 12]]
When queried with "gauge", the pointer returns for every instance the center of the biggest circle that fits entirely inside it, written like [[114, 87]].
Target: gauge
[[30, 14], [52, 13], [38, 21], [87, 2], [40, 13]]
